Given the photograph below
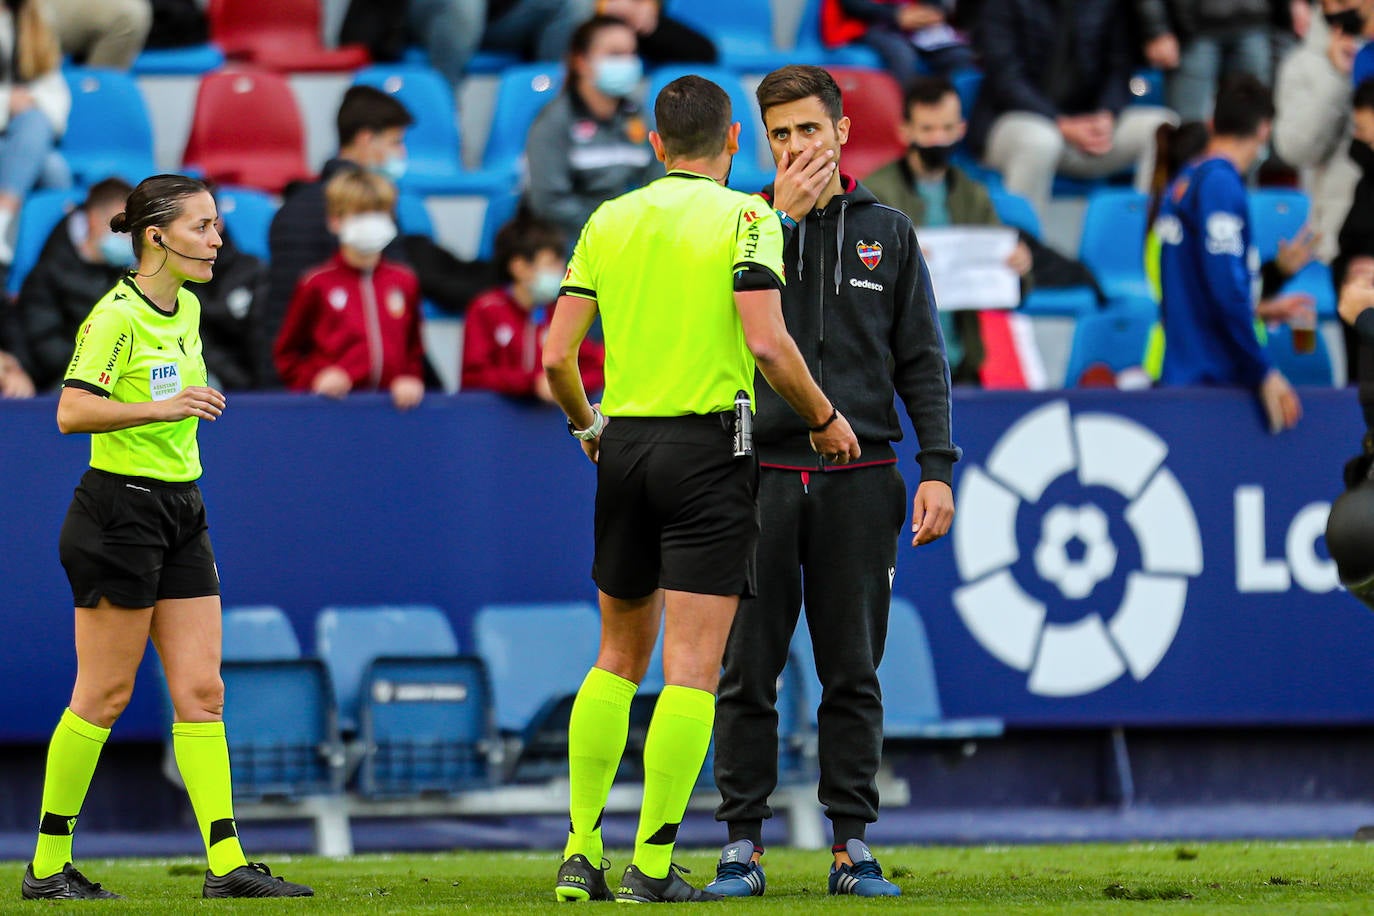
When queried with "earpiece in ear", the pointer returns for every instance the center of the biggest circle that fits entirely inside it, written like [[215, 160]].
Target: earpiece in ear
[[157, 237]]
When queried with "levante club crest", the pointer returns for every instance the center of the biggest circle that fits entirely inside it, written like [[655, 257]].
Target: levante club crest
[[871, 253]]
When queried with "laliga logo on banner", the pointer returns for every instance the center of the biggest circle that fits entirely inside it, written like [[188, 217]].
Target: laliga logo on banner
[[1101, 450]]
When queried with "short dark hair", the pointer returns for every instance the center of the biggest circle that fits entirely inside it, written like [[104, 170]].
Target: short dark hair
[[926, 90], [1243, 104], [693, 116], [1364, 94], [800, 81], [108, 191], [524, 237], [369, 108], [157, 201]]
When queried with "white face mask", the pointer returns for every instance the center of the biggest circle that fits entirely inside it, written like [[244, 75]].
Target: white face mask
[[545, 285], [368, 233]]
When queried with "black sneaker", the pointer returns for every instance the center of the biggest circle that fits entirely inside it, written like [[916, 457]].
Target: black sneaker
[[637, 887], [252, 880], [579, 880], [68, 884]]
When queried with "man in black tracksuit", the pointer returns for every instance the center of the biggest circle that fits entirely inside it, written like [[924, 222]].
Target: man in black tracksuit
[[859, 305]]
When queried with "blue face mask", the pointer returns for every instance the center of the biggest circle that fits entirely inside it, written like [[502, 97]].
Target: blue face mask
[[618, 75], [545, 285], [394, 168], [117, 250]]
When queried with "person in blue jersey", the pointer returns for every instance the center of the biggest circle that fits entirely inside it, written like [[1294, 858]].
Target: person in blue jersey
[[1209, 268]]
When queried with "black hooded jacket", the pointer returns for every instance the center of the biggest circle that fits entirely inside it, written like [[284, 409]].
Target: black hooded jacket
[[859, 305]]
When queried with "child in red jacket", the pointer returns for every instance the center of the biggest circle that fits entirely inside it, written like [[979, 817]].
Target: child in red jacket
[[503, 333], [354, 322]]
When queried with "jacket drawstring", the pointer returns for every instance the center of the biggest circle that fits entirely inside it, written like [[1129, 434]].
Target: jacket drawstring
[[839, 247], [801, 248]]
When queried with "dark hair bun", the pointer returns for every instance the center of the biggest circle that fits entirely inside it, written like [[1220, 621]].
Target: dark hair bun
[[119, 222]]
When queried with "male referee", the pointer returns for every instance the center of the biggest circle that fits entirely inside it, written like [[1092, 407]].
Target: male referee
[[858, 301], [686, 276]]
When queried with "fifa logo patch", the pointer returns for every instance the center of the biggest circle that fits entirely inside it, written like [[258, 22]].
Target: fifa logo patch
[[871, 253]]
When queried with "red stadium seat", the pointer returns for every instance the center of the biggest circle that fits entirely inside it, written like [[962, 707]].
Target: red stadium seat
[[247, 130], [873, 102], [279, 35]]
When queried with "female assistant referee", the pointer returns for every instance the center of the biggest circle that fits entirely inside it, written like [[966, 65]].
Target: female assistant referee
[[135, 543]]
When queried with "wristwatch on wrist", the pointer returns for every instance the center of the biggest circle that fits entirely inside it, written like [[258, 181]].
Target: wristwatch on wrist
[[591, 432]]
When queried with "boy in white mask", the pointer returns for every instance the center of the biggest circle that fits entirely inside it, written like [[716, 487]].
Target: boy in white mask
[[354, 322], [503, 334]]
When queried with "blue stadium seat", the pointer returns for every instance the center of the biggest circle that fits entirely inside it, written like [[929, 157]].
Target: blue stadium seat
[[434, 163], [187, 61], [1147, 87], [42, 211], [809, 49], [1015, 210], [745, 174], [1112, 245], [349, 638], [426, 726], [1276, 213], [1299, 368], [248, 216], [521, 95], [912, 698], [501, 209], [536, 654], [282, 729], [412, 217], [968, 82], [101, 98], [742, 32], [258, 634], [1315, 280], [1117, 337]]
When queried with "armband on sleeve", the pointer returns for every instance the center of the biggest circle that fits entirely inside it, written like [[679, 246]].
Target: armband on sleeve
[[754, 277]]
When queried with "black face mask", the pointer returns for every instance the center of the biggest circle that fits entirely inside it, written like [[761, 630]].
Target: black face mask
[[1348, 21], [933, 157], [1362, 155]]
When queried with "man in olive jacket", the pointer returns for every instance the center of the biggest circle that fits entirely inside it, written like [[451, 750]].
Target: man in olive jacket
[[926, 187]]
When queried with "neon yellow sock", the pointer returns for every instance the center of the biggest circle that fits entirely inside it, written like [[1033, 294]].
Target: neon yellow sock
[[72, 756], [597, 729], [203, 759], [674, 750]]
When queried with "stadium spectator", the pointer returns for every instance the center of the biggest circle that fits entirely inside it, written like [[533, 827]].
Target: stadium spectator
[[1055, 93], [1355, 248], [371, 127], [1312, 114], [1208, 265], [451, 31], [591, 142], [927, 187], [102, 33], [354, 322], [858, 303], [911, 37], [505, 327], [34, 104], [135, 544], [14, 381], [230, 306], [1198, 44], [662, 39], [676, 516], [81, 259]]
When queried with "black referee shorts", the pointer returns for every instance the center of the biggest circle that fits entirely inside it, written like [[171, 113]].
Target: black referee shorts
[[675, 508], [135, 540]]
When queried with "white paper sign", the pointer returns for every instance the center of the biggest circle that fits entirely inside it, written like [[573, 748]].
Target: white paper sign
[[968, 266]]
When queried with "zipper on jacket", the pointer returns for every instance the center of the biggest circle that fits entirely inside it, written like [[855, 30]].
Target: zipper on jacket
[[372, 323], [820, 308]]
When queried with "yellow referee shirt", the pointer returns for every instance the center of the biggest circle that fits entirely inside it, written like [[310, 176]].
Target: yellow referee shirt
[[130, 351], [660, 263]]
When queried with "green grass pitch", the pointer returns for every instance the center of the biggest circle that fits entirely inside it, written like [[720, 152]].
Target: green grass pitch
[[1258, 877]]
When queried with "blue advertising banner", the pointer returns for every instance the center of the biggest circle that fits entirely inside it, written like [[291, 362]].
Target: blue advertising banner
[[1142, 558]]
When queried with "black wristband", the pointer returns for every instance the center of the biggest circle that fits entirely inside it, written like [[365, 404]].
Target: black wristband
[[834, 415]]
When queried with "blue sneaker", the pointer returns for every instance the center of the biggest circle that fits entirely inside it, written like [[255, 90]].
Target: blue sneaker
[[737, 875], [864, 878]]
